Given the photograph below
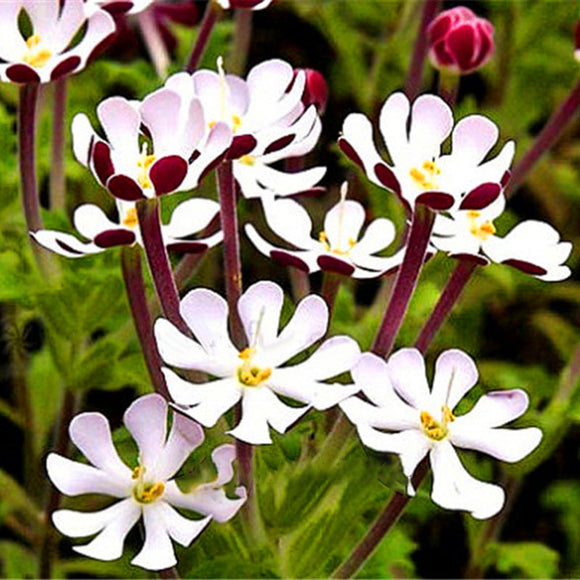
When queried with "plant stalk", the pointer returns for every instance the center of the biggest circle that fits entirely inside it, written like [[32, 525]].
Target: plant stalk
[[154, 42], [57, 173], [242, 40], [210, 17]]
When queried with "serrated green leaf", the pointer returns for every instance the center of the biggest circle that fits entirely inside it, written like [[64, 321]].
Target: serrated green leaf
[[96, 366], [524, 559]]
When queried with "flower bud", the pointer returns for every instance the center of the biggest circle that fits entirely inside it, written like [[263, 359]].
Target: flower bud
[[315, 90], [459, 41]]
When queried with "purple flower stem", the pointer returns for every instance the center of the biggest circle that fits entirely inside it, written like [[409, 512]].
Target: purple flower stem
[[135, 287], [330, 285], [27, 155], [406, 280], [379, 528], [154, 42], [448, 87], [300, 283], [169, 574], [158, 261], [414, 78], [547, 137], [242, 40], [210, 17], [57, 174], [455, 285]]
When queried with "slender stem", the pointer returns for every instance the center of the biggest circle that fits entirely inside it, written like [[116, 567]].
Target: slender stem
[[158, 261], [330, 285], [57, 174], [61, 446], [448, 87], [414, 78], [210, 17], [334, 443], [232, 263], [154, 42], [547, 137], [380, 527], [242, 41], [300, 283], [406, 280], [27, 155], [169, 574], [455, 285], [135, 287]]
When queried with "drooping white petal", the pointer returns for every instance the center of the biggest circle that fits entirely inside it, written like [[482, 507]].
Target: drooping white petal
[[65, 244], [115, 522], [379, 234], [91, 433], [289, 220], [211, 400], [190, 217], [121, 123], [260, 408], [454, 488], [505, 444], [180, 528], [259, 308], [358, 132], [90, 220], [455, 374], [146, 420], [407, 372], [83, 133], [495, 409]]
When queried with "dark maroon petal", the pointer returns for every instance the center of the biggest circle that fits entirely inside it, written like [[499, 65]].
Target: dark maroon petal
[[186, 247], [167, 173], [442, 56], [486, 48], [279, 144], [101, 154], [289, 260], [110, 238], [527, 267], [336, 265], [481, 196], [194, 156], [244, 3], [387, 177], [461, 42], [577, 35], [67, 248], [315, 90], [505, 177], [435, 200], [125, 188], [118, 6], [241, 145], [102, 46], [480, 260], [439, 27], [349, 151], [22, 73], [65, 67], [186, 13]]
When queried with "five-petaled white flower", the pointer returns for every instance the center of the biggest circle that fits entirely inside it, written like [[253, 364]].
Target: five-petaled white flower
[[48, 51], [154, 147], [468, 232], [188, 218], [146, 491], [421, 422], [419, 173], [338, 248], [268, 119], [254, 374]]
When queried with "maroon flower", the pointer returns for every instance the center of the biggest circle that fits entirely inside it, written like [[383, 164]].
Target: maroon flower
[[460, 41], [315, 90]]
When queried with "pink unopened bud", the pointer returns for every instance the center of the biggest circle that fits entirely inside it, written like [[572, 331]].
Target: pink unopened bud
[[315, 90], [460, 41]]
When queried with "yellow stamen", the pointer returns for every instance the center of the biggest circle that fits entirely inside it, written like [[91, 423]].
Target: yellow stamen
[[144, 163], [247, 159], [247, 353], [426, 179], [251, 375], [448, 416], [481, 231], [36, 56], [131, 220], [138, 472], [236, 123], [149, 492], [437, 430], [323, 239]]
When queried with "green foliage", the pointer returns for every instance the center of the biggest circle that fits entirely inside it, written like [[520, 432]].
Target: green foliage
[[524, 559]]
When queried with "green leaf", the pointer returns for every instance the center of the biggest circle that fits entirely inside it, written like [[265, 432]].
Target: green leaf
[[96, 366], [17, 561], [524, 559], [15, 498]]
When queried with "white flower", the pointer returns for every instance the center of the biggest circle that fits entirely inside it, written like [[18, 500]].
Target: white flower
[[469, 231], [405, 417], [122, 6], [177, 153], [268, 120], [188, 218], [46, 54], [248, 4], [337, 247], [255, 374], [146, 491], [419, 173]]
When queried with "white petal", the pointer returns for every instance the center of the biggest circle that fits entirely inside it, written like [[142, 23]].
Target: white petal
[[260, 408], [408, 376], [455, 374], [91, 433], [454, 488], [358, 132], [121, 123], [190, 217], [431, 123], [83, 133], [343, 223], [12, 44], [90, 220], [160, 112], [65, 244], [146, 420], [473, 137], [289, 220], [157, 552], [379, 234], [495, 409], [71, 18], [393, 125], [259, 308], [181, 529]]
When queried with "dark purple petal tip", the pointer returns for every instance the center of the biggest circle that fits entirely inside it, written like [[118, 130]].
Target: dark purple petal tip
[[336, 265], [167, 174], [436, 200], [481, 196], [476, 258], [22, 73], [110, 238], [186, 247], [66, 67], [526, 267], [349, 151], [125, 188], [386, 176], [289, 260]]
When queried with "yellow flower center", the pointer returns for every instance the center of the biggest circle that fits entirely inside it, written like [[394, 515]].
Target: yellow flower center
[[146, 492], [323, 239], [247, 159], [144, 163], [131, 220], [36, 55], [236, 123], [437, 430], [249, 374], [480, 230], [426, 177]]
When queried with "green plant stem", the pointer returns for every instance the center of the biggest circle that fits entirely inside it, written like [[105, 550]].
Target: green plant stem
[[57, 173], [210, 17], [300, 283], [448, 87], [169, 574], [406, 280], [379, 529], [136, 294], [242, 41]]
